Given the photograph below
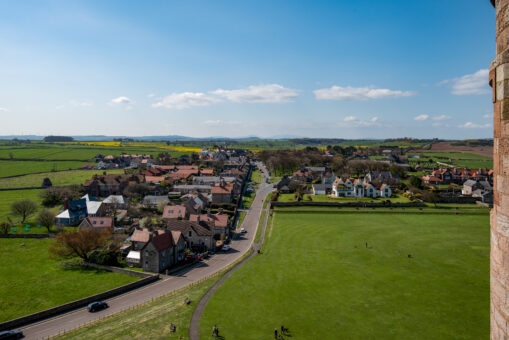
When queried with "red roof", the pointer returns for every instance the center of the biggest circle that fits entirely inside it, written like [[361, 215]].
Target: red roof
[[100, 222], [174, 211], [154, 179], [226, 189], [220, 220]]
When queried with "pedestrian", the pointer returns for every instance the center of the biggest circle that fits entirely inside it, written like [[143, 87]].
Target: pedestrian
[[275, 333], [366, 245], [214, 330]]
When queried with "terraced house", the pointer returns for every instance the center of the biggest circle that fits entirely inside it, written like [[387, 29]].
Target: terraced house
[[359, 188]]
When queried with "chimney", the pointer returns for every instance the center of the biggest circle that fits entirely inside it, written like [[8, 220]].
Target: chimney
[[220, 211], [208, 212]]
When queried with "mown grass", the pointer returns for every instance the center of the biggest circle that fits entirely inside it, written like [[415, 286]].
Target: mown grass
[[60, 178], [317, 277], [14, 168], [148, 321], [256, 176], [31, 281], [248, 199]]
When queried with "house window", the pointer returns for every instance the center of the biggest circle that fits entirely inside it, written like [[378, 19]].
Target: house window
[[190, 233], [146, 252]]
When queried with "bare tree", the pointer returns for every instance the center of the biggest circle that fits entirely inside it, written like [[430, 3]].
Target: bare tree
[[79, 243], [46, 218], [24, 209]]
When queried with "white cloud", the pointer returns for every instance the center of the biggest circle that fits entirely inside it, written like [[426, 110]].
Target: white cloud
[[59, 107], [220, 123], [185, 100], [80, 104], [358, 93], [442, 117], [421, 117], [470, 84], [3, 109], [470, 125], [272, 93], [151, 95], [487, 116], [352, 121], [121, 100]]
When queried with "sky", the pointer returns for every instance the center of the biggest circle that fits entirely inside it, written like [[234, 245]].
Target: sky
[[336, 69]]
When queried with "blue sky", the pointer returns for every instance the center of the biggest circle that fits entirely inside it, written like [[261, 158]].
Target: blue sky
[[345, 69]]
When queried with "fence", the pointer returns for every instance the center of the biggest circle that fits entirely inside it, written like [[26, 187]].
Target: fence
[[27, 236], [24, 320]]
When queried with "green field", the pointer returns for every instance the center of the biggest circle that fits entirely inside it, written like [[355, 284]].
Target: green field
[[316, 277], [459, 159], [248, 199], [14, 168], [60, 178], [8, 197], [30, 281]]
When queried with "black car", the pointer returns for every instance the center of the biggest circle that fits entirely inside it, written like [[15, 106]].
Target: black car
[[11, 335], [96, 306]]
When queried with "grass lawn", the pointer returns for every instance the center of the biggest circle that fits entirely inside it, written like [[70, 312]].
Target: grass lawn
[[317, 277], [274, 179], [12, 168], [260, 225], [248, 199], [30, 281], [242, 215], [256, 176], [57, 178]]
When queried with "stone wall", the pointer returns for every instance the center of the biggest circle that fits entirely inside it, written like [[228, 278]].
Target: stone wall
[[499, 259], [36, 317]]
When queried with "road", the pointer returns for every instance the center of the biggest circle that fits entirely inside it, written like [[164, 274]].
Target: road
[[167, 284]]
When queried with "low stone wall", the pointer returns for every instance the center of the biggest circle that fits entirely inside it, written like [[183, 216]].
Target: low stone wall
[[27, 236], [347, 204], [118, 270], [28, 319], [458, 199]]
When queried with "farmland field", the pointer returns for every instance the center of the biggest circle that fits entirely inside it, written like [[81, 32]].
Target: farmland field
[[30, 281], [459, 159], [317, 277], [13, 168], [8, 197], [57, 178]]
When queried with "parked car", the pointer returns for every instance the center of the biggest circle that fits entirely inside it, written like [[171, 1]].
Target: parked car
[[226, 247], [17, 334], [243, 230], [96, 306]]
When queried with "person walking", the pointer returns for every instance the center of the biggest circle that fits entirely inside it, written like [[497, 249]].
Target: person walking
[[275, 333]]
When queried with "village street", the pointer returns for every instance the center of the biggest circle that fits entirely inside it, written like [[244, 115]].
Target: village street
[[239, 246]]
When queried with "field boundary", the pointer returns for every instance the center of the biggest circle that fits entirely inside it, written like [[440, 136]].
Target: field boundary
[[67, 307], [27, 235], [347, 204]]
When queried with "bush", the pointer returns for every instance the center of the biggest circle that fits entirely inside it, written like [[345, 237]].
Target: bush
[[105, 257]]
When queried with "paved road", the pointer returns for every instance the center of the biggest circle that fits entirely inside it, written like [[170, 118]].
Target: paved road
[[242, 244]]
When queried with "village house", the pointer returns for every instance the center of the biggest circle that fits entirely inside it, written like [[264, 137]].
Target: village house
[[156, 250], [105, 185], [74, 212], [175, 212], [219, 222], [222, 193], [322, 189], [359, 188], [151, 201], [199, 236], [98, 223]]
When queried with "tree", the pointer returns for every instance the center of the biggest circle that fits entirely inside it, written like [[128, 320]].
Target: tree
[[46, 218], [24, 208], [416, 181], [53, 195], [5, 227], [79, 243], [398, 170], [430, 197], [46, 183]]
